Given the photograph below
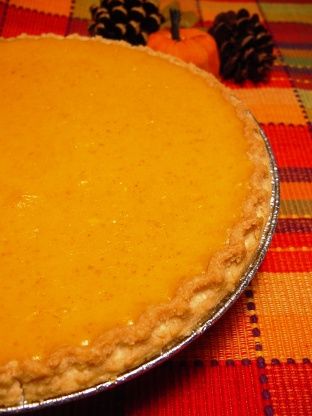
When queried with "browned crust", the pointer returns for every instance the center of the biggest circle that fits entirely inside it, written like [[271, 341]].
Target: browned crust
[[120, 349]]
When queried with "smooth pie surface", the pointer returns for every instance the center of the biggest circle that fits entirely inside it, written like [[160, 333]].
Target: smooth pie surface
[[120, 175]]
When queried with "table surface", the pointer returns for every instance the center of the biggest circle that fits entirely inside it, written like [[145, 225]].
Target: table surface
[[257, 360]]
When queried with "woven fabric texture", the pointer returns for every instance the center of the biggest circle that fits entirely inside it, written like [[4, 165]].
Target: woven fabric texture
[[257, 360]]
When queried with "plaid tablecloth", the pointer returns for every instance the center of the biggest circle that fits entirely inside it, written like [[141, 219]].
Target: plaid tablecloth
[[257, 359]]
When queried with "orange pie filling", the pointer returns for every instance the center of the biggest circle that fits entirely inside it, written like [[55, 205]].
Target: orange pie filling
[[119, 178]]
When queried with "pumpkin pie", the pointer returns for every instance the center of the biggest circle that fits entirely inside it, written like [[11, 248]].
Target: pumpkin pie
[[133, 192]]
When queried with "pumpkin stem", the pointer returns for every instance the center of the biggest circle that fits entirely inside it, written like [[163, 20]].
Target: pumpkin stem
[[175, 18]]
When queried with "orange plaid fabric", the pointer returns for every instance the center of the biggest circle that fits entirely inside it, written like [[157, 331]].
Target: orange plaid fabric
[[257, 359]]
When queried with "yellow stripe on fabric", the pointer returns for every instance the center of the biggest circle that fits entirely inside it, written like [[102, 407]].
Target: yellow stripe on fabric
[[60, 7], [296, 208], [299, 53], [211, 8], [290, 12], [81, 9], [284, 308], [294, 216], [272, 105]]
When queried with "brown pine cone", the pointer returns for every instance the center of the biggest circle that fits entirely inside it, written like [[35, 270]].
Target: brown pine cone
[[245, 46], [129, 20]]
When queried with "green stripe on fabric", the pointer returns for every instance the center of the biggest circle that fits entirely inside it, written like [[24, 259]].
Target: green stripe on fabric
[[301, 13], [299, 61], [306, 98], [296, 207]]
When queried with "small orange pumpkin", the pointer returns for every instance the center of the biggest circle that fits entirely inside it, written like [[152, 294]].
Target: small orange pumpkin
[[191, 44]]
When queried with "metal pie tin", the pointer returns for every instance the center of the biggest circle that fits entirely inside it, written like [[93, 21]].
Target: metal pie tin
[[221, 308]]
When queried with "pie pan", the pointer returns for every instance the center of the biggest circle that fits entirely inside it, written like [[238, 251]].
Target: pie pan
[[218, 311]]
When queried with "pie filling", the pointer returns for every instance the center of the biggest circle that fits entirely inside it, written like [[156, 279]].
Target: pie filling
[[118, 180]]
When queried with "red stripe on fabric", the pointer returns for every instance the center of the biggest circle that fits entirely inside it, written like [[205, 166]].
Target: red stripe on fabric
[[295, 174], [79, 26], [301, 77], [291, 387], [273, 82], [291, 240], [294, 225], [277, 82], [292, 145], [2, 8], [291, 32], [290, 261], [278, 79], [182, 388], [19, 20], [70, 18], [302, 84], [303, 73]]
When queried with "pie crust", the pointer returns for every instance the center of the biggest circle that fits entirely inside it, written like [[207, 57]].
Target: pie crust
[[121, 349]]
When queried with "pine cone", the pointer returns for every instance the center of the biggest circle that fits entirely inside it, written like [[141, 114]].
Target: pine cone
[[129, 20], [245, 46]]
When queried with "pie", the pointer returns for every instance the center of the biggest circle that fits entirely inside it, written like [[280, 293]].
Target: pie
[[134, 189]]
